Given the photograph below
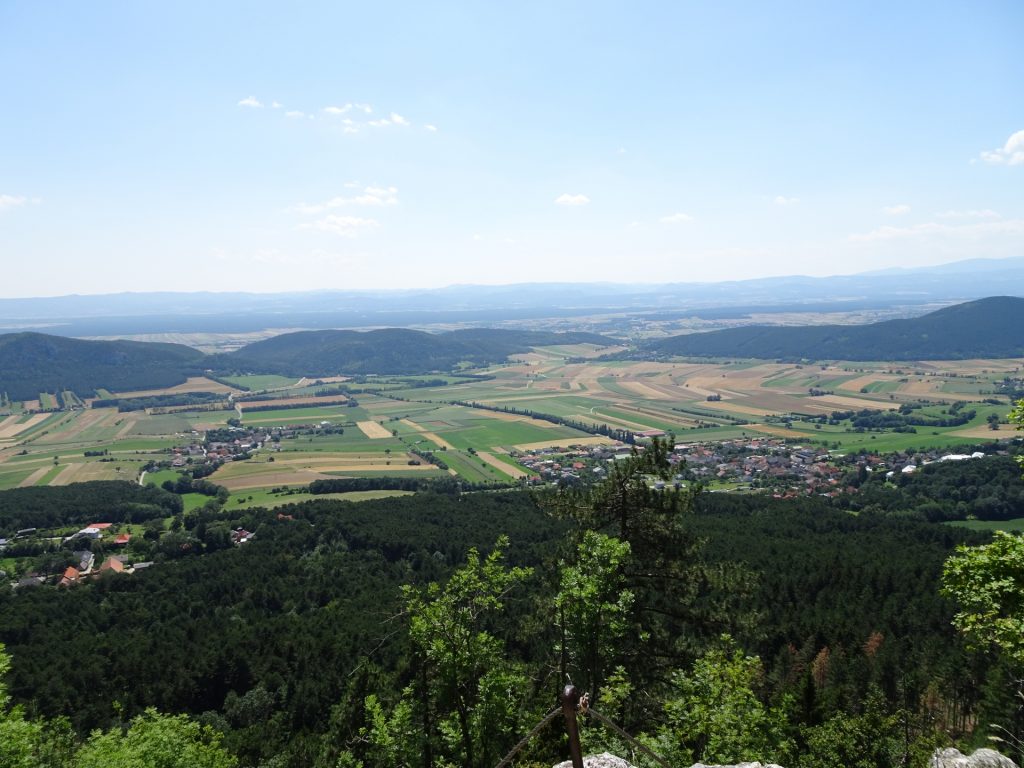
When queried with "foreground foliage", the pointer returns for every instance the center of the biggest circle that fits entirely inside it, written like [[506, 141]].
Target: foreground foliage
[[411, 631]]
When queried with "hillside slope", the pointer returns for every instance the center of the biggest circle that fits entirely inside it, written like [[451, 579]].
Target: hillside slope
[[31, 363], [391, 350], [992, 327]]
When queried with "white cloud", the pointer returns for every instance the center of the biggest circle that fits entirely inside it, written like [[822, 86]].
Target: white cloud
[[373, 196], [567, 199], [346, 226], [379, 123], [11, 201], [782, 200], [276, 105], [14, 201], [364, 107], [431, 128], [972, 214], [397, 119], [896, 210], [250, 101], [973, 230], [294, 113], [1011, 153], [338, 110], [676, 218]]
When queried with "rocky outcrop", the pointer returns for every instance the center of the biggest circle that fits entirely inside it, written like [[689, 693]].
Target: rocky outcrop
[[599, 761], [611, 761], [943, 758], [980, 758]]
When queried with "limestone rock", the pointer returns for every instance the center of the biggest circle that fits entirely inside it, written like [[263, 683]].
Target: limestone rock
[[611, 761], [599, 761], [980, 758]]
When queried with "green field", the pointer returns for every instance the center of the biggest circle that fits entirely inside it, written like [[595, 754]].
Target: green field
[[267, 498], [336, 414], [162, 424], [1016, 525], [255, 383]]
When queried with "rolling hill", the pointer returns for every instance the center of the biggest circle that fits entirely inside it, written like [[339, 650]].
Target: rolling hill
[[391, 350], [991, 327], [31, 363]]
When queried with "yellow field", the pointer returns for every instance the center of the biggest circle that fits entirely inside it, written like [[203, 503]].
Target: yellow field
[[193, 384], [34, 477], [13, 430], [856, 403], [500, 465], [565, 443], [373, 430]]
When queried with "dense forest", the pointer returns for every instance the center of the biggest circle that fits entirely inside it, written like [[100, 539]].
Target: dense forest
[[100, 501], [976, 329], [390, 350], [985, 489], [315, 644], [31, 363]]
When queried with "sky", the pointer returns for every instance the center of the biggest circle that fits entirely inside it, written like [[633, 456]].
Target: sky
[[255, 146]]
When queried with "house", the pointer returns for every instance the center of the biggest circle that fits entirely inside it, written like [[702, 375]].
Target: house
[[70, 577], [112, 565], [122, 539], [99, 526], [241, 536], [88, 533], [86, 560]]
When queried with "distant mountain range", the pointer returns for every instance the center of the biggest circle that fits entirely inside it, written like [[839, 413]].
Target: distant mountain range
[[31, 363], [208, 312], [991, 327]]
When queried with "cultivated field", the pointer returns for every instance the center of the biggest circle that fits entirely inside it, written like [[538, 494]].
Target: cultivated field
[[396, 425]]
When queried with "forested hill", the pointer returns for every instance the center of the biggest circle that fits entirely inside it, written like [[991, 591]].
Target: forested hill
[[391, 350], [31, 363], [984, 328]]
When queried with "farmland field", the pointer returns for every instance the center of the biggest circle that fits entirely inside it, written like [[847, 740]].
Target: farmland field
[[480, 427]]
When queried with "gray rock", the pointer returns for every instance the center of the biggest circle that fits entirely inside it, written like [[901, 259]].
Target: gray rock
[[599, 761], [611, 761], [980, 758]]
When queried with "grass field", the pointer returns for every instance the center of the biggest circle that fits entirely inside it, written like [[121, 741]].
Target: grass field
[[1016, 525], [254, 383]]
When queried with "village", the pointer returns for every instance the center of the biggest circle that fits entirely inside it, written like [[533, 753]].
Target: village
[[767, 464]]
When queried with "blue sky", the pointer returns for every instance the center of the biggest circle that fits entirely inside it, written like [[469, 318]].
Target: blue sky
[[272, 146]]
